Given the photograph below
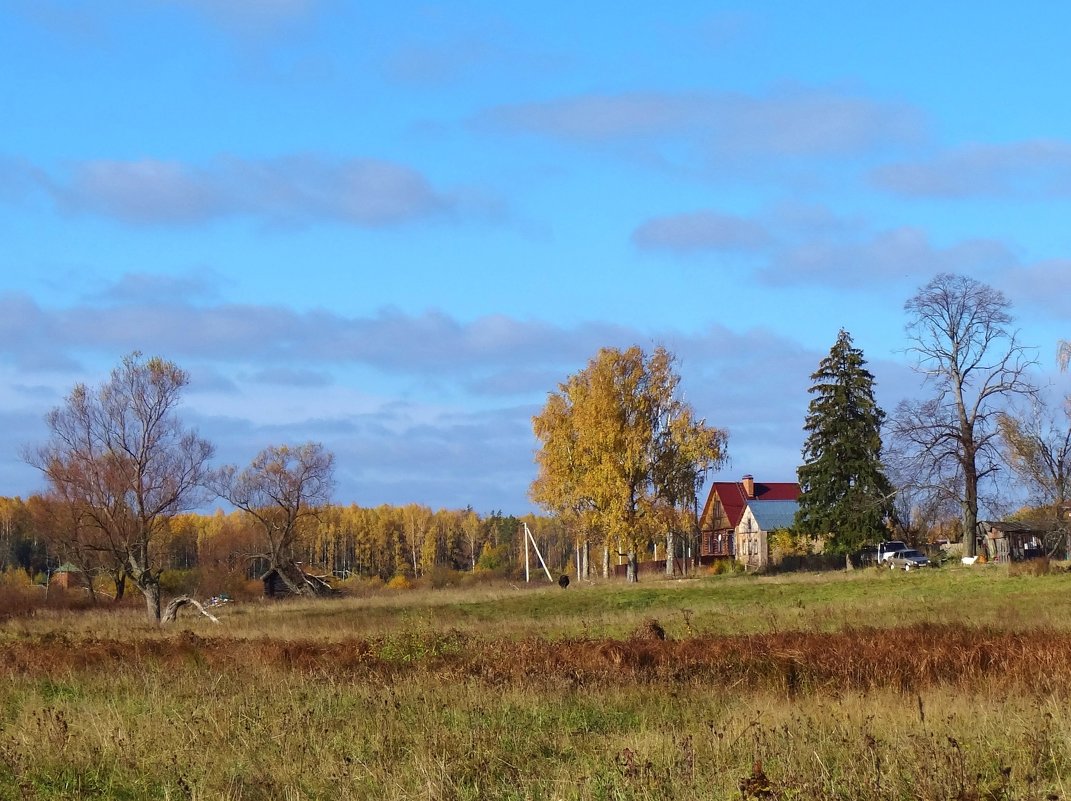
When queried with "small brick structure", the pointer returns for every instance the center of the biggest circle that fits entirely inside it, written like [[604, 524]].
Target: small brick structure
[[67, 576]]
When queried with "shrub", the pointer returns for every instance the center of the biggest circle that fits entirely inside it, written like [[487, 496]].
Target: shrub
[[784, 542], [359, 586], [400, 582], [440, 577], [722, 567], [15, 577]]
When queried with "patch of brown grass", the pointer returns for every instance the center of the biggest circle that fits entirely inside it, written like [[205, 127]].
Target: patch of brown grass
[[907, 659], [26, 601]]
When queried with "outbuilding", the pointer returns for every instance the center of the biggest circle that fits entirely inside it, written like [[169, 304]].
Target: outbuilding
[[1010, 541]]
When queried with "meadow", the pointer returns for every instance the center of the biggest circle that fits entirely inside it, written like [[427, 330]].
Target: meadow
[[940, 684]]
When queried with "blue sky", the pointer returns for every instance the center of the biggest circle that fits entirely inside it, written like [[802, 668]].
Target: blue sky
[[393, 228]]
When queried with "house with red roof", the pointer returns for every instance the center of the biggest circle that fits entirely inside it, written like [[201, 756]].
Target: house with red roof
[[738, 517]]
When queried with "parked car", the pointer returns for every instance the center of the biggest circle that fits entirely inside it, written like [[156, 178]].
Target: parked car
[[908, 559]]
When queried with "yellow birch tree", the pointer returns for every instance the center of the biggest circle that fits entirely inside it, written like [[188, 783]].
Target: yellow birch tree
[[616, 443]]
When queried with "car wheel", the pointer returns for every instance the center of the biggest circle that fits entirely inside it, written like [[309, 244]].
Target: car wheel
[[907, 566]]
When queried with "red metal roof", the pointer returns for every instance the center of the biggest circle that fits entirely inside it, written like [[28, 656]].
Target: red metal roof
[[734, 500]]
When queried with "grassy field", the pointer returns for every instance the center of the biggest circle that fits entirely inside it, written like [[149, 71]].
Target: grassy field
[[943, 684]]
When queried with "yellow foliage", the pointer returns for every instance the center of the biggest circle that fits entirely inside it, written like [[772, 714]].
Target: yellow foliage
[[15, 577], [399, 582]]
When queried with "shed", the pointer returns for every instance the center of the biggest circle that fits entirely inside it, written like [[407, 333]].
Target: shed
[[66, 576], [276, 587], [1009, 541]]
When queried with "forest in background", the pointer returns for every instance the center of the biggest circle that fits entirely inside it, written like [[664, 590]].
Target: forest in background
[[221, 552]]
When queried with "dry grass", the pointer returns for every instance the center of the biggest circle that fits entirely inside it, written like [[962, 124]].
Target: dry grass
[[507, 694], [905, 660]]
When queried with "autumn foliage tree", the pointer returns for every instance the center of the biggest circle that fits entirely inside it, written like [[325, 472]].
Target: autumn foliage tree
[[617, 444], [121, 464], [281, 491]]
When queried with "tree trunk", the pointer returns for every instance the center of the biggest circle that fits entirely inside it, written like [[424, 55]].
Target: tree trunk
[[171, 612], [669, 553], [150, 588], [585, 550], [970, 507], [606, 561], [632, 572], [298, 583], [120, 585]]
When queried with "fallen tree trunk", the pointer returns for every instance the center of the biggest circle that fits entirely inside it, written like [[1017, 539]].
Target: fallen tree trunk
[[171, 612]]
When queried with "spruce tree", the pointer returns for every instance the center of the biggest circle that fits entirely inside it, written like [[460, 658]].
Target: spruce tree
[[845, 494]]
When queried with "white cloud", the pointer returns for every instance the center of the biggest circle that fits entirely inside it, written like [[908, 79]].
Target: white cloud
[[701, 230], [792, 122], [289, 190], [1044, 285], [898, 253], [1037, 168]]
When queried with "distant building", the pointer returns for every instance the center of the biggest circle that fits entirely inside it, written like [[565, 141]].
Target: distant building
[[738, 517], [67, 576]]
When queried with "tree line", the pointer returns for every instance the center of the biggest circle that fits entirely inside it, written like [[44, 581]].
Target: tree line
[[218, 550]]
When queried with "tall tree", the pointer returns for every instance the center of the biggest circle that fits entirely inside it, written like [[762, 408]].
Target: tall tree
[[961, 336], [845, 493], [281, 490], [616, 440], [120, 459]]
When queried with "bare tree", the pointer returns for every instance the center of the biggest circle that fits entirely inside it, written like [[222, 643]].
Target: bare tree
[[1037, 448], [282, 488], [972, 360], [120, 460]]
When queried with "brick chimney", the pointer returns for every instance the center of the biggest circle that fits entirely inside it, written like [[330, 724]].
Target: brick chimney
[[748, 483]]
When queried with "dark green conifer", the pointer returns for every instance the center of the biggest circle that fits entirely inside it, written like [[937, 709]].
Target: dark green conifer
[[845, 494]]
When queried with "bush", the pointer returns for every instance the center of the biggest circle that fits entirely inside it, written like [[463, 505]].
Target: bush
[[440, 577], [400, 582], [359, 586], [784, 542], [15, 577], [722, 567]]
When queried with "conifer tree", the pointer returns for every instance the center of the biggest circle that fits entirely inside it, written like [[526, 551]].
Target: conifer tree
[[845, 494]]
